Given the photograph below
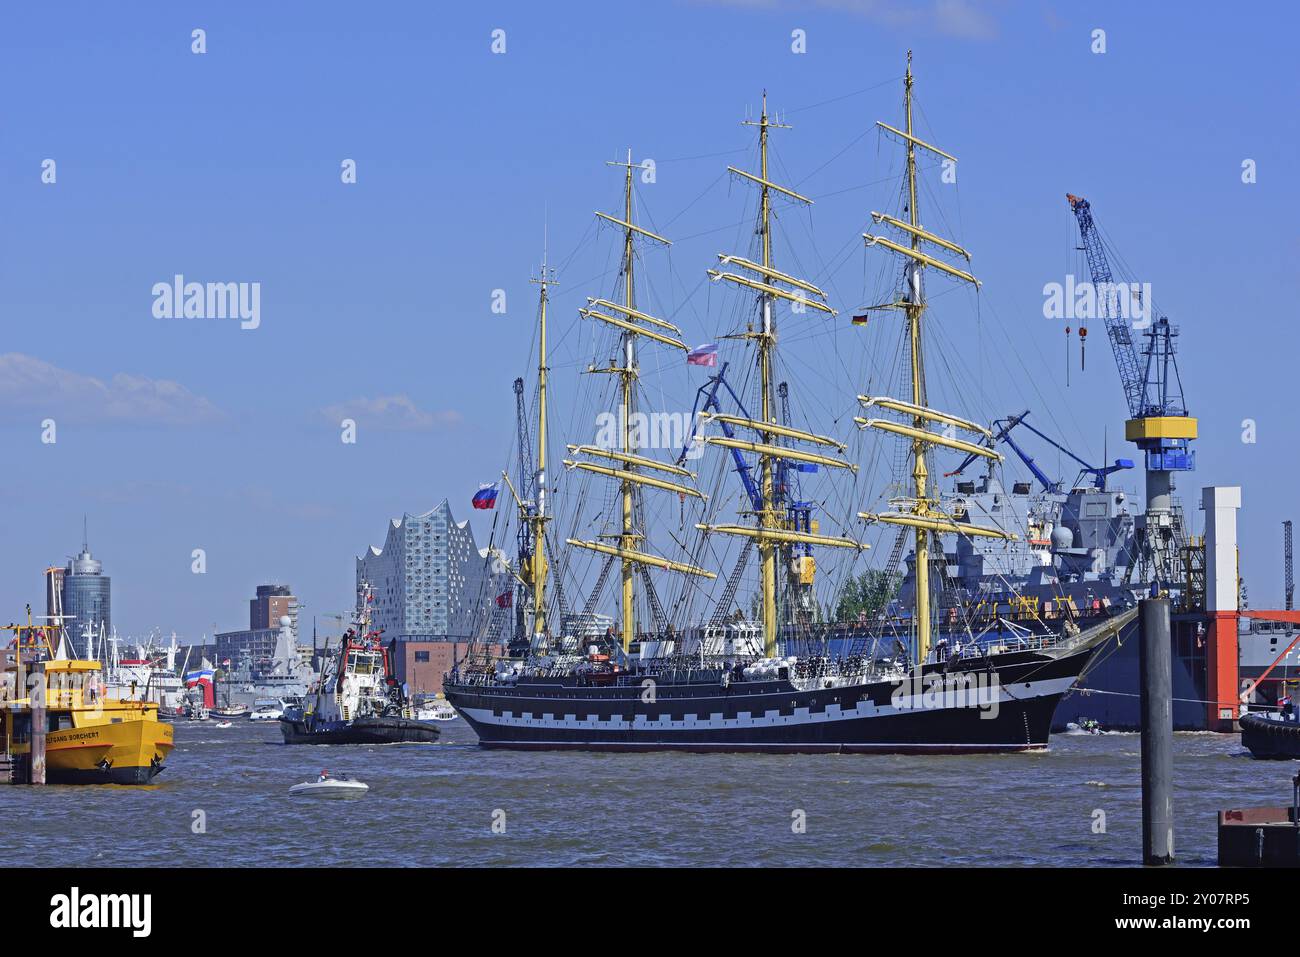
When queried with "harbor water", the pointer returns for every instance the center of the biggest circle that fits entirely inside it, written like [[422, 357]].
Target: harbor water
[[223, 801]]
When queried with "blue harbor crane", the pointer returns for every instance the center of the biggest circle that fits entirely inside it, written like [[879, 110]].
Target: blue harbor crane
[[1158, 422], [528, 494], [799, 561], [1002, 433], [706, 400], [798, 558]]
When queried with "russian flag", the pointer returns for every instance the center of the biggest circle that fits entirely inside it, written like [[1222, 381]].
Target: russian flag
[[485, 497], [202, 676], [705, 355]]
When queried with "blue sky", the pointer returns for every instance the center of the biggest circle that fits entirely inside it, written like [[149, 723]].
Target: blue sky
[[181, 434]]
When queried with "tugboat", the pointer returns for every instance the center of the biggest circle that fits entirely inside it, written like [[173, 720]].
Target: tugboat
[[1272, 735], [357, 700]]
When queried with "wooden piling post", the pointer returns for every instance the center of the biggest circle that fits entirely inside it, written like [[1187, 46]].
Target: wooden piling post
[[39, 724]]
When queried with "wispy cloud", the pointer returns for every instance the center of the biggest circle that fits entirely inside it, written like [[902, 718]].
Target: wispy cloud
[[31, 386], [955, 18], [391, 413]]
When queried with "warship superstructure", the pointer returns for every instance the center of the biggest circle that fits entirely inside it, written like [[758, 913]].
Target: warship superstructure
[[283, 676]]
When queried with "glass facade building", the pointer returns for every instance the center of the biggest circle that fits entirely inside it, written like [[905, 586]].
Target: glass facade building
[[430, 580], [86, 596]]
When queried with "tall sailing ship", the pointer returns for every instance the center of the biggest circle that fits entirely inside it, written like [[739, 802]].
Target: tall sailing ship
[[761, 682]]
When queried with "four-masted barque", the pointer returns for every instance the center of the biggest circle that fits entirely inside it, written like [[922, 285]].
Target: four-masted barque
[[745, 686]]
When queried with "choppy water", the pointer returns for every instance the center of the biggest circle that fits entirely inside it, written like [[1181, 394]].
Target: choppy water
[[435, 804]]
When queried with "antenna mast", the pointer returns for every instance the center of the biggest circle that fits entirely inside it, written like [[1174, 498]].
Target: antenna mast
[[1288, 578]]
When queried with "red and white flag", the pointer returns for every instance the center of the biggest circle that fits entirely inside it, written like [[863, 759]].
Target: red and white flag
[[705, 355]]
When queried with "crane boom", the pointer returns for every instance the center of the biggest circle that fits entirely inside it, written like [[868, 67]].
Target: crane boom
[[1158, 422], [1117, 329]]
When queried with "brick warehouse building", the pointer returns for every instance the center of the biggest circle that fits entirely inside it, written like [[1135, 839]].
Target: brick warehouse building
[[421, 664]]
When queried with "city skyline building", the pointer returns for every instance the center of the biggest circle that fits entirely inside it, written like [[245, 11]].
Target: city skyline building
[[270, 604], [430, 580], [87, 594], [257, 642]]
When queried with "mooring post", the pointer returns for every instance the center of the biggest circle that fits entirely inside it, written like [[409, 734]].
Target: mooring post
[[1157, 732], [39, 724]]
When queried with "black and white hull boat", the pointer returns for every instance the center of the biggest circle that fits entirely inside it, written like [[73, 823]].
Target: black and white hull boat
[[357, 700], [1271, 736], [373, 729], [1001, 700]]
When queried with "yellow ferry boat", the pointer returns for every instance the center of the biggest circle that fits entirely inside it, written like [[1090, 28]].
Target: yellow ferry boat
[[89, 739]]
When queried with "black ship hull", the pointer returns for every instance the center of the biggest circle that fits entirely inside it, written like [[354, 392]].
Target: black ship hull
[[110, 775], [368, 730], [1270, 738], [997, 703], [1110, 694]]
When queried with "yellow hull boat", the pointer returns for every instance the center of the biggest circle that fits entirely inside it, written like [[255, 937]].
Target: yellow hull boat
[[89, 739]]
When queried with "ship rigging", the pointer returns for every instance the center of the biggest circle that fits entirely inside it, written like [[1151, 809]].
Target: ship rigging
[[715, 689]]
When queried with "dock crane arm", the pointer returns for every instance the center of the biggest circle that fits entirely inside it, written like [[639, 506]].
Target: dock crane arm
[[1131, 374], [1003, 434], [1158, 422], [706, 400]]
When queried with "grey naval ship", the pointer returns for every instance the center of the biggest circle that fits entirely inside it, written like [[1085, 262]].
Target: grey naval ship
[[1079, 562]]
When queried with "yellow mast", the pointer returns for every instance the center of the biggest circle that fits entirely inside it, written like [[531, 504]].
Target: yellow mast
[[770, 531], [633, 323], [915, 307], [924, 514], [539, 518], [628, 539], [767, 519]]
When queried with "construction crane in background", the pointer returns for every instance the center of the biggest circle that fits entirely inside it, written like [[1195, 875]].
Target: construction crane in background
[[706, 403], [1158, 422], [527, 500], [797, 557], [338, 618], [1288, 578]]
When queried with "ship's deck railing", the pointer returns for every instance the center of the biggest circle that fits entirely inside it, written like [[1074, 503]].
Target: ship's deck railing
[[709, 672], [853, 665]]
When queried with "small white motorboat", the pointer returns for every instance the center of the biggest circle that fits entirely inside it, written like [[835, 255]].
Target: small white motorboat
[[436, 709], [329, 786], [223, 724], [267, 709]]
